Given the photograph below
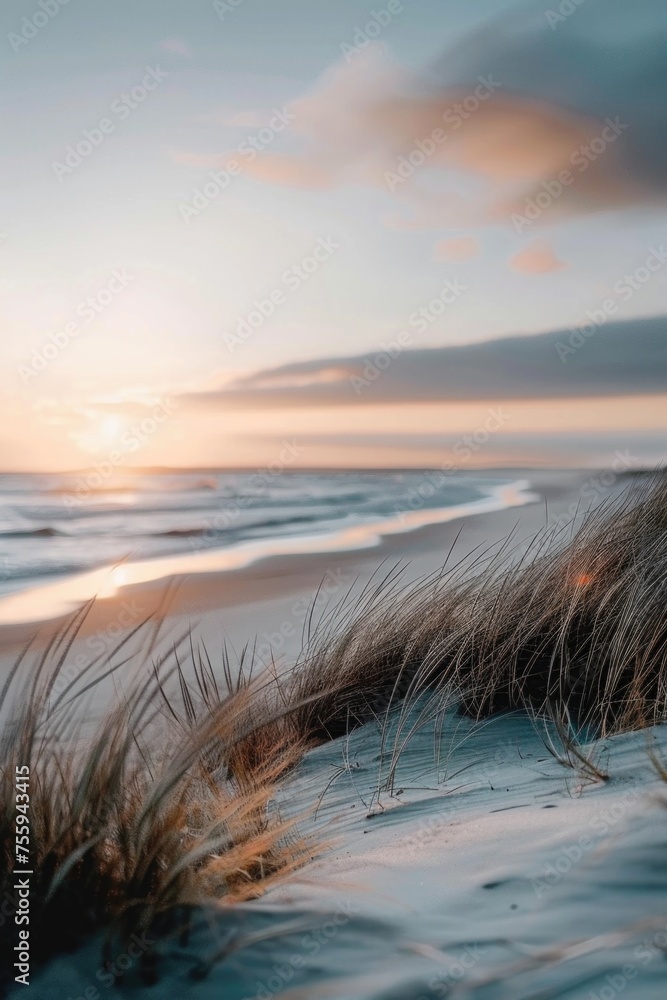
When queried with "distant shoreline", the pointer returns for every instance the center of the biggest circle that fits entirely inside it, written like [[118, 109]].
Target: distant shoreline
[[260, 598], [61, 597]]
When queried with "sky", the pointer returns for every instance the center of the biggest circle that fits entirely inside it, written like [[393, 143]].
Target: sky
[[230, 225]]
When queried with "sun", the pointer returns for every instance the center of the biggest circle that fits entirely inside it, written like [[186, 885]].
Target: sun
[[111, 430], [102, 433]]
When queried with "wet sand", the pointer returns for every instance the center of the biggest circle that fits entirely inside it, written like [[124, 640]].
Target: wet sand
[[269, 599]]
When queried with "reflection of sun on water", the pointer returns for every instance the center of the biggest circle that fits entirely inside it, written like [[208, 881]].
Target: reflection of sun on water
[[111, 581], [119, 576]]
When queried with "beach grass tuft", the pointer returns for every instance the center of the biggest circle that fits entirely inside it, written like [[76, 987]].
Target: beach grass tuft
[[136, 815], [167, 801]]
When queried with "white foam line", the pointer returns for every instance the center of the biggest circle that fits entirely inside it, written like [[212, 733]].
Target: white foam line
[[55, 599]]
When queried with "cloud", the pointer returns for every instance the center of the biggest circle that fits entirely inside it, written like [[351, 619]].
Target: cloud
[[457, 249], [271, 168], [537, 258], [504, 448], [613, 359], [569, 114], [177, 47], [289, 170], [296, 379]]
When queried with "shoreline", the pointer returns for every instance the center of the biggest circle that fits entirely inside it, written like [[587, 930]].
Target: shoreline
[[270, 596], [426, 829], [61, 597]]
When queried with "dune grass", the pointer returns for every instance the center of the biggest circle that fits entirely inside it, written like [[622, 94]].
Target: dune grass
[[573, 629], [167, 802], [137, 816]]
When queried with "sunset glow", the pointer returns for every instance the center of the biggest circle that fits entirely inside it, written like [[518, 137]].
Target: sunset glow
[[231, 227]]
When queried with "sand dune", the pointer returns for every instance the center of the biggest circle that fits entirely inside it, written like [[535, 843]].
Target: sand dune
[[490, 859]]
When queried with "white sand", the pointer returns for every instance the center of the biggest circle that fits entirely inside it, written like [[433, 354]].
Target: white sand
[[498, 874], [491, 872]]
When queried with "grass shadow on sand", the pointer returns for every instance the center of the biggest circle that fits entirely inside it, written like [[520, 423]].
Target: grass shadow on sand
[[168, 801]]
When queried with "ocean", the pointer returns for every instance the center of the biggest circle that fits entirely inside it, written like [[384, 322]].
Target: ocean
[[57, 526]]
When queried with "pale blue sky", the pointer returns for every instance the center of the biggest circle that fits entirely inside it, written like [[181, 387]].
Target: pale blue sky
[[191, 283]]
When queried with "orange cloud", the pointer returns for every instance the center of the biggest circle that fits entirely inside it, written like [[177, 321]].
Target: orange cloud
[[459, 249], [289, 170], [538, 258], [176, 46], [532, 115]]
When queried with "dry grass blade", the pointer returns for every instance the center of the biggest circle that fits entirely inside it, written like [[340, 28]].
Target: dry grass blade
[[167, 802], [138, 815]]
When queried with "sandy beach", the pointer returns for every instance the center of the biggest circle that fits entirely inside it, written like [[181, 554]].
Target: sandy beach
[[333, 501], [270, 598], [488, 867]]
